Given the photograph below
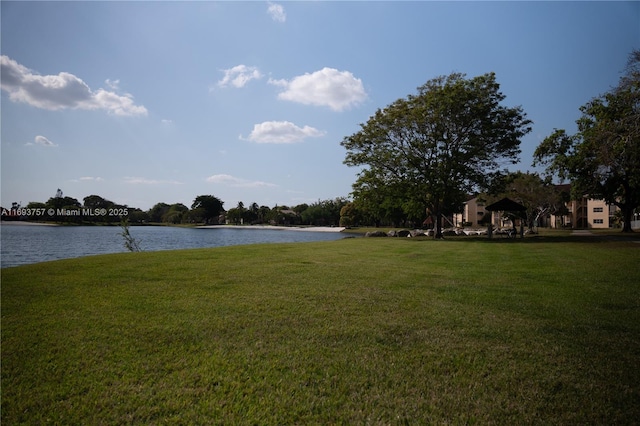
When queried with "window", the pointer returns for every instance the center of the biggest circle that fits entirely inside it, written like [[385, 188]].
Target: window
[[598, 221], [598, 209]]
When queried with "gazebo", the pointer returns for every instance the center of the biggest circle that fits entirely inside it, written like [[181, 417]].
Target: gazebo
[[506, 205]]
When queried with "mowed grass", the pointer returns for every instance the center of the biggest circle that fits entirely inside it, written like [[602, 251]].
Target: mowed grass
[[355, 331]]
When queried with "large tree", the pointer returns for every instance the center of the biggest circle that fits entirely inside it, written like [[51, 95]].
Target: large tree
[[603, 158], [208, 207], [157, 212], [383, 204], [97, 202], [448, 140]]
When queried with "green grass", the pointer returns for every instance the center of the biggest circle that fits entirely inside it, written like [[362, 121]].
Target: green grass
[[544, 330]]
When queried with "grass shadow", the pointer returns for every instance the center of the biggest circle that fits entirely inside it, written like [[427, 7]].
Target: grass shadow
[[596, 238]]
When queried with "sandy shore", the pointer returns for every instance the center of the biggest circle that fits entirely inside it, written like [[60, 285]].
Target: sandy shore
[[278, 228]]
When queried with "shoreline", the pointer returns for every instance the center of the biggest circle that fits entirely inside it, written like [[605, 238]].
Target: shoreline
[[262, 227], [277, 228], [24, 222]]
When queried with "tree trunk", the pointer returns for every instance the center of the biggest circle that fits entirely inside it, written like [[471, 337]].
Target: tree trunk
[[438, 229], [627, 214]]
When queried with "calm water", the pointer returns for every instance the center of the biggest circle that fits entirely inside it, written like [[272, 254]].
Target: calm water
[[23, 244]]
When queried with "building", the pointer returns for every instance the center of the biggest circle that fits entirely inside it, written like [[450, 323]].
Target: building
[[584, 213], [473, 213]]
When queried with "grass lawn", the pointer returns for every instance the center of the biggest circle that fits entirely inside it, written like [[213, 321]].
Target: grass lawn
[[544, 330]]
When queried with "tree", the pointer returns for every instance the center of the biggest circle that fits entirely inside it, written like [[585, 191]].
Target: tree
[[136, 215], [538, 195], [97, 202], [252, 215], [157, 212], [300, 208], [175, 213], [130, 243], [234, 215], [264, 214], [66, 209], [283, 215], [603, 158], [381, 203], [440, 144], [61, 202], [209, 207], [242, 211], [324, 212], [36, 205], [348, 215]]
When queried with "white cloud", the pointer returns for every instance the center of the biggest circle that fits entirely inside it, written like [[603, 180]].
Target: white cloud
[[56, 92], [88, 179], [145, 181], [42, 141], [226, 179], [237, 182], [277, 13], [113, 84], [281, 132], [338, 90], [239, 76]]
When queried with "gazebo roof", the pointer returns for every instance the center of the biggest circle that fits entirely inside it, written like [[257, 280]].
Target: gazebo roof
[[506, 205]]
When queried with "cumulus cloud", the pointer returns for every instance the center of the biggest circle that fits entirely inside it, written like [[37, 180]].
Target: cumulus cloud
[[281, 132], [239, 76], [229, 180], [338, 90], [144, 181], [276, 11], [42, 141], [62, 91]]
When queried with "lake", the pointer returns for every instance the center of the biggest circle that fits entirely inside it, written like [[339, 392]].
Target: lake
[[24, 244]]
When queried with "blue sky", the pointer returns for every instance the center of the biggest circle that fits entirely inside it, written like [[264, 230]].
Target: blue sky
[[146, 102]]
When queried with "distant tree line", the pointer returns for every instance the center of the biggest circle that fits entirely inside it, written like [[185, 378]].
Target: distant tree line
[[205, 209]]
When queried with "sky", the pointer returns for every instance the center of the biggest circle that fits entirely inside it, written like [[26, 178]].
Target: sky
[[149, 101]]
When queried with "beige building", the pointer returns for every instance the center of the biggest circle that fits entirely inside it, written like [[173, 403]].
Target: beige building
[[472, 214], [599, 214], [585, 213]]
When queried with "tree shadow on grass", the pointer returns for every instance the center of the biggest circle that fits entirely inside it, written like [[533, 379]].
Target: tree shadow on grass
[[536, 239]]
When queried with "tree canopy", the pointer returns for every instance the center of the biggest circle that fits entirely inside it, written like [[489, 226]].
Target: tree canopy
[[208, 207], [431, 149], [602, 159]]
